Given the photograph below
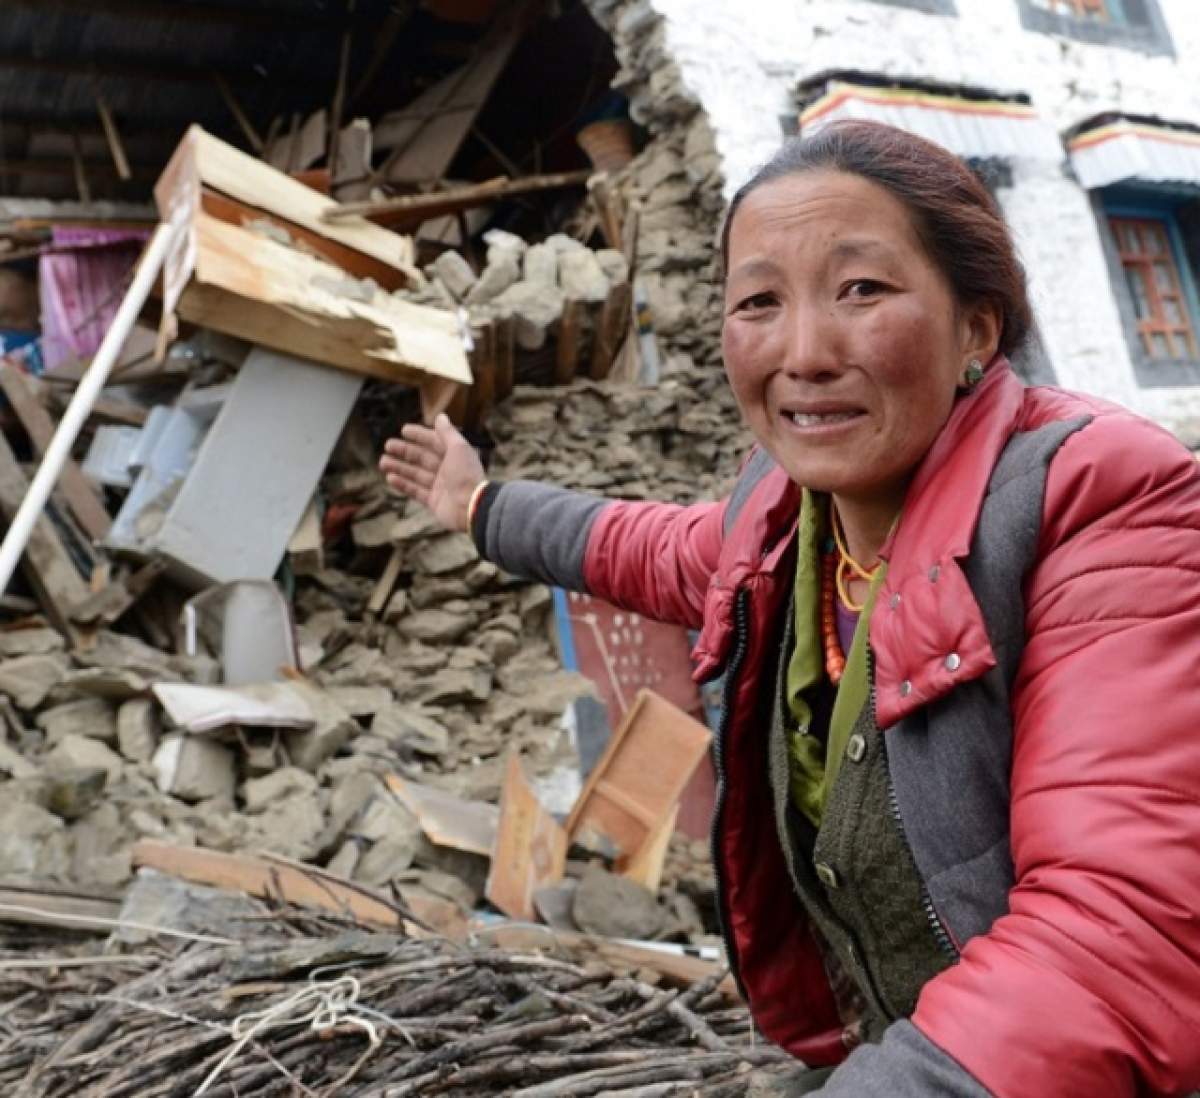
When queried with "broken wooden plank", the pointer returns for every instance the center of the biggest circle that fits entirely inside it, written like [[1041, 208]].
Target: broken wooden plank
[[239, 115], [637, 783], [482, 394], [530, 850], [274, 877], [387, 580], [83, 499], [611, 329], [410, 210], [566, 359], [448, 820], [678, 970], [306, 550], [426, 135], [275, 296], [646, 865], [506, 352], [112, 600], [440, 395], [48, 566], [46, 905], [113, 136], [203, 160], [348, 259]]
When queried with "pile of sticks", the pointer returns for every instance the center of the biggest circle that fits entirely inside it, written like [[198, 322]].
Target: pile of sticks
[[352, 1013]]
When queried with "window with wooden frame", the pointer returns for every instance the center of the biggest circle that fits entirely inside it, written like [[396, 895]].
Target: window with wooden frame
[[1079, 9], [1125, 24], [1165, 321]]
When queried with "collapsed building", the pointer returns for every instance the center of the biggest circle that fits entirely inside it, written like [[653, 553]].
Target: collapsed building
[[236, 662]]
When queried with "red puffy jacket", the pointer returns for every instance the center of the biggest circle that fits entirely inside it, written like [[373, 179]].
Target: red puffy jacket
[[1089, 984]]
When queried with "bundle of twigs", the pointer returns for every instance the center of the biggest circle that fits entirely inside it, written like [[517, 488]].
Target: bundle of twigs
[[360, 1014]]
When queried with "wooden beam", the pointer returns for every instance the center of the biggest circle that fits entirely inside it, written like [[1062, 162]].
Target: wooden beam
[[82, 187], [422, 207], [338, 106], [113, 137], [239, 115], [256, 289], [103, 169], [85, 502], [130, 69], [274, 877], [566, 359], [49, 568], [203, 159], [611, 329], [171, 11]]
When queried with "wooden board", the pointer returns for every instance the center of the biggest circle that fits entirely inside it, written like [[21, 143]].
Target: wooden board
[[677, 970], [530, 849], [448, 820], [637, 783], [278, 878], [50, 570], [349, 259], [203, 160], [424, 136], [646, 864], [259, 290], [49, 905], [83, 499]]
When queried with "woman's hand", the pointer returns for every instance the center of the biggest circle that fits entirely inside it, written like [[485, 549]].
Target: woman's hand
[[435, 466]]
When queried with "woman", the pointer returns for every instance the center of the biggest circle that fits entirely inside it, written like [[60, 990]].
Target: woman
[[958, 830]]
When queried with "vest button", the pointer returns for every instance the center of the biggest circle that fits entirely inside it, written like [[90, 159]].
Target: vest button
[[952, 662], [934, 572], [905, 688], [827, 875], [894, 601], [856, 748]]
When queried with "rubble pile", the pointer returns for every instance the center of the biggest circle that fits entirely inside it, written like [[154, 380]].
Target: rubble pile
[[680, 442], [292, 1004], [675, 180]]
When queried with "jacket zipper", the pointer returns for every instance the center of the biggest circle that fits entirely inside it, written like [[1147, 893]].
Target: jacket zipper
[[940, 935], [741, 624]]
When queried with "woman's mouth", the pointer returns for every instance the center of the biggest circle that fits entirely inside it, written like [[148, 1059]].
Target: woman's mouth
[[822, 419]]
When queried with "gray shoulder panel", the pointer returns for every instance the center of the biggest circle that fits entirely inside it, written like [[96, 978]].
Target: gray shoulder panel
[[955, 754], [540, 532], [758, 466], [905, 1064]]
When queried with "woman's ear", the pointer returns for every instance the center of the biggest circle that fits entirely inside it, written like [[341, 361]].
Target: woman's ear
[[980, 326]]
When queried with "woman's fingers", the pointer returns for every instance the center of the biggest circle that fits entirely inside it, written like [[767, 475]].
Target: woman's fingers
[[413, 454]]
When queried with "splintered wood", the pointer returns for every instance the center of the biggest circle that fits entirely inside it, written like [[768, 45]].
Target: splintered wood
[[395, 1017]]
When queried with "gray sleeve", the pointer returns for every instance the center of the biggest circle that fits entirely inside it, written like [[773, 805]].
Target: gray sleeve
[[905, 1064], [536, 531]]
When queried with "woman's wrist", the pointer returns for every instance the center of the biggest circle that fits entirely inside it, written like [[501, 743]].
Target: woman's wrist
[[473, 502]]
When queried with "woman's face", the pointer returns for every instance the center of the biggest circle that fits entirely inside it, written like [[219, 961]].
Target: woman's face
[[842, 339]]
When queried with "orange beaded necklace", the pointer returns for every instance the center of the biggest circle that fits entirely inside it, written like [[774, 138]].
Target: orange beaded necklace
[[834, 565]]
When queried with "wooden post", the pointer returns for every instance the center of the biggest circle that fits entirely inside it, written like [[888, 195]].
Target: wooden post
[[85, 502], [506, 353], [566, 360], [113, 136], [81, 180], [611, 328], [239, 115]]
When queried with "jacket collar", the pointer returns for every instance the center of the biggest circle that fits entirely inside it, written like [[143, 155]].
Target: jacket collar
[[927, 632]]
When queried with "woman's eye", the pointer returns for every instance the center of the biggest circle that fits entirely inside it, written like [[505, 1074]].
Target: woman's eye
[[756, 301], [862, 288]]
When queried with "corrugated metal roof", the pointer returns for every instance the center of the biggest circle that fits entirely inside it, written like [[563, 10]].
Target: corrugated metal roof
[[968, 127], [1125, 151]]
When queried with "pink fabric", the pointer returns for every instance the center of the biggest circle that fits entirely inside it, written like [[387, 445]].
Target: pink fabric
[[82, 280]]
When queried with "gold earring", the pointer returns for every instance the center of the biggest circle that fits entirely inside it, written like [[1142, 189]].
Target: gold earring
[[973, 374]]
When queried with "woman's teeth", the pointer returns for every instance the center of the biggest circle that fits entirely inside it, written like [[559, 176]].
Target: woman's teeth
[[805, 419]]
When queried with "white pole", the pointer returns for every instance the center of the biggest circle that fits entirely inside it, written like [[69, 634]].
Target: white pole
[[81, 403]]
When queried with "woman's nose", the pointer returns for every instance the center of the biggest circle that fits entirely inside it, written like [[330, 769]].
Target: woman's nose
[[812, 343]]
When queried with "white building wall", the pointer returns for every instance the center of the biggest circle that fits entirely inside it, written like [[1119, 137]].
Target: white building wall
[[743, 60]]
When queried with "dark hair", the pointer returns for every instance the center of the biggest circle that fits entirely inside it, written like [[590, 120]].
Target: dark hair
[[955, 217]]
